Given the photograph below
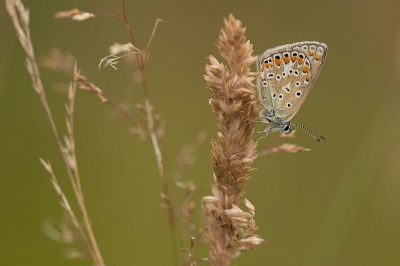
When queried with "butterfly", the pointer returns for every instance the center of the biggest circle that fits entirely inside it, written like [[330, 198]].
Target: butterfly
[[286, 76]]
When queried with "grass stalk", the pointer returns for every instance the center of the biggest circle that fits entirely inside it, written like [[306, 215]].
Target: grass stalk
[[231, 230], [20, 18]]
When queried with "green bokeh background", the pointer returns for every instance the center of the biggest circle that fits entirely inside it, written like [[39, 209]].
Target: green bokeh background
[[336, 205]]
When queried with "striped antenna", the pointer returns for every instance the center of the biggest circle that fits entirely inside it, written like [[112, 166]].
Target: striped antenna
[[313, 134]]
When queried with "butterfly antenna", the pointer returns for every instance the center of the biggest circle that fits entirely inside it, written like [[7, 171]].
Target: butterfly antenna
[[313, 134]]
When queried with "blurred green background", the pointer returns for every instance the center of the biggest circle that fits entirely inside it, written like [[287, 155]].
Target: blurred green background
[[336, 205]]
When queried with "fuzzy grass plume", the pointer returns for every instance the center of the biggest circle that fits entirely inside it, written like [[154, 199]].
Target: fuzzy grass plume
[[230, 230]]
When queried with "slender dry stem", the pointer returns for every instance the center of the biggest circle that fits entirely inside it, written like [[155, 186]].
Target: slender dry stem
[[286, 147], [86, 85], [150, 118], [230, 230], [153, 135], [147, 104], [20, 18], [65, 204]]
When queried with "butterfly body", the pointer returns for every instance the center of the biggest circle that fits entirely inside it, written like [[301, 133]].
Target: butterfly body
[[286, 76]]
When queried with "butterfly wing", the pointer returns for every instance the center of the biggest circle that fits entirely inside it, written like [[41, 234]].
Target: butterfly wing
[[287, 74], [268, 83]]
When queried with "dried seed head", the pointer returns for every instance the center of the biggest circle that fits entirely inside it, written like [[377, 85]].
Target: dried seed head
[[74, 14], [235, 105]]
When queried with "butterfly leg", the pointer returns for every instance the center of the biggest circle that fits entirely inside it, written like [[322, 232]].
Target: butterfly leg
[[266, 131], [261, 121]]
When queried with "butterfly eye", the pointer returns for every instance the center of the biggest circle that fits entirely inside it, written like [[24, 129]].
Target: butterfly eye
[[286, 129]]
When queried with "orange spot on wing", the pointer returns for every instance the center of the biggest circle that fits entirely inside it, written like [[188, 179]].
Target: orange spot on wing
[[318, 57], [308, 77], [293, 58], [305, 69], [267, 65], [286, 59], [277, 62], [301, 61], [311, 52]]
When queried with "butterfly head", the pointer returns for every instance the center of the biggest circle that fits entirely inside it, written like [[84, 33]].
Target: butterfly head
[[286, 128]]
